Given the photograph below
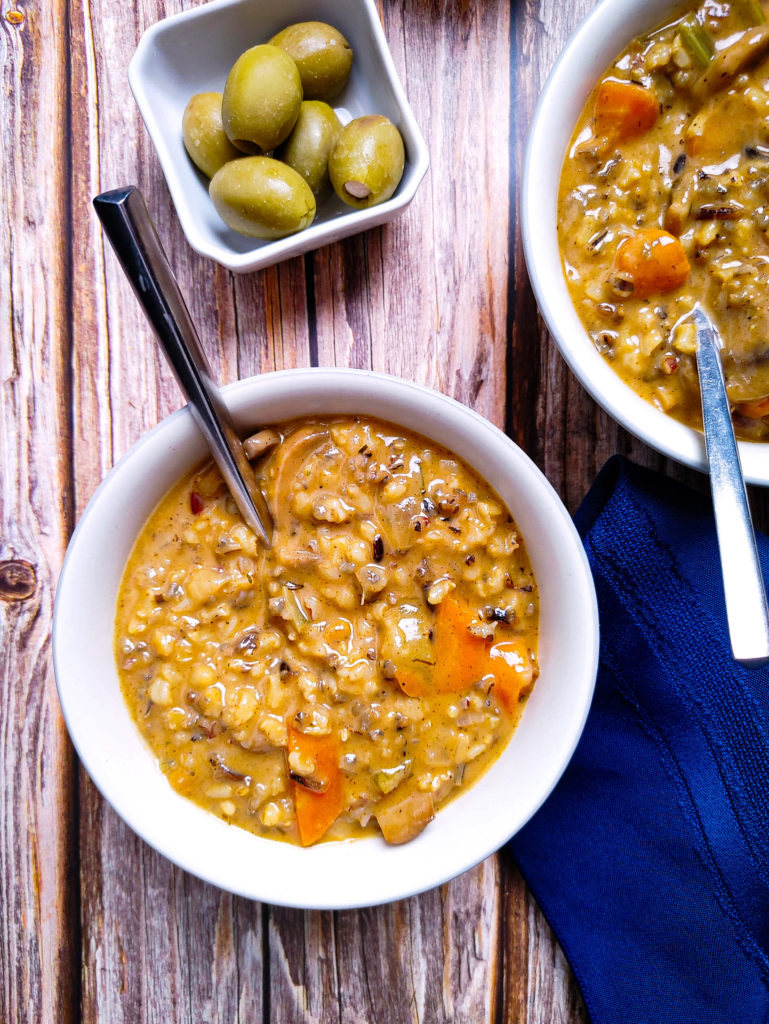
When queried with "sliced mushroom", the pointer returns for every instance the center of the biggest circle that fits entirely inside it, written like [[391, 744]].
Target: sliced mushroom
[[405, 814], [744, 51], [289, 458], [260, 442]]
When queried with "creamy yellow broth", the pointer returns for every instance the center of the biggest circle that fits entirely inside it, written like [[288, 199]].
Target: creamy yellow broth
[[697, 168], [373, 662]]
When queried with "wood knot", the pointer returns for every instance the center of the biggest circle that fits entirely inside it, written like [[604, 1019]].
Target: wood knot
[[17, 580]]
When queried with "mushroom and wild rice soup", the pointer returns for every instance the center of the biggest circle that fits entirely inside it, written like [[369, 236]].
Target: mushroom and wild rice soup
[[664, 200], [355, 676]]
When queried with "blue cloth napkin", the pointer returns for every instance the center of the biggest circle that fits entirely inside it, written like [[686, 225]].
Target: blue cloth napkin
[[651, 857]]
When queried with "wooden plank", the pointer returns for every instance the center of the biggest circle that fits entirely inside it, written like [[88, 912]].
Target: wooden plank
[[425, 298], [157, 944], [559, 426], [273, 328], [424, 959], [38, 924]]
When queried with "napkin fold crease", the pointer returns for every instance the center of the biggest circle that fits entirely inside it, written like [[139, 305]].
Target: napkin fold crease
[[651, 857]]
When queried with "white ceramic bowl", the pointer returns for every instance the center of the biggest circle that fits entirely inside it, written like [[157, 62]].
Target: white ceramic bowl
[[597, 42], [193, 52], [364, 871]]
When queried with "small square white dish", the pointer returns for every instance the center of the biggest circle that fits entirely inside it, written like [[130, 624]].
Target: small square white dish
[[193, 52]]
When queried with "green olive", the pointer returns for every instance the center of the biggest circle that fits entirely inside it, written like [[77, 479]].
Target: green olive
[[262, 97], [308, 146], [366, 164], [262, 198], [322, 54], [204, 137]]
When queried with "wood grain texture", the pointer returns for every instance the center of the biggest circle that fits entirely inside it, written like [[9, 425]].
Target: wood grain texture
[[38, 925], [157, 944], [436, 278], [95, 926]]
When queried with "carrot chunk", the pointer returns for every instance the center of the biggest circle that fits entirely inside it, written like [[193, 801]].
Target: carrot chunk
[[654, 260], [756, 409], [513, 671], [461, 658], [318, 801], [414, 682], [624, 110]]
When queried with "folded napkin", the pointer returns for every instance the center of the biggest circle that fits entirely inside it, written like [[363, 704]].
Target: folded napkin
[[651, 857]]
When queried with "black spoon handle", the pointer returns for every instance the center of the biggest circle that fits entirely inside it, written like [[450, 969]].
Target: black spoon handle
[[128, 225]]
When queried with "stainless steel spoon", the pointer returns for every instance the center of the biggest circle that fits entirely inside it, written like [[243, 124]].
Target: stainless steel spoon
[[746, 608], [128, 225]]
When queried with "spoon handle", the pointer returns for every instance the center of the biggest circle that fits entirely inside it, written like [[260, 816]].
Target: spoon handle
[[128, 225], [746, 608]]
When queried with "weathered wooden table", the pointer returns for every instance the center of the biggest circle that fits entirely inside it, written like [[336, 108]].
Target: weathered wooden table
[[94, 925]]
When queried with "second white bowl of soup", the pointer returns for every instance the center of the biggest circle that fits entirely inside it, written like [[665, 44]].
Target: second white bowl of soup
[[644, 191], [369, 708]]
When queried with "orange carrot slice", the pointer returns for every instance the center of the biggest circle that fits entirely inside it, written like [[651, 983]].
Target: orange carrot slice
[[461, 659], [624, 110], [756, 409], [317, 809], [654, 260], [413, 683], [513, 671]]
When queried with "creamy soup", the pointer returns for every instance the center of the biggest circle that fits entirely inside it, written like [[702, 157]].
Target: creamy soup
[[664, 200], [359, 673]]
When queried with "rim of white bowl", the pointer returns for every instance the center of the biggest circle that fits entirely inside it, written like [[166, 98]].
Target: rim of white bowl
[[320, 233], [599, 38], [363, 872]]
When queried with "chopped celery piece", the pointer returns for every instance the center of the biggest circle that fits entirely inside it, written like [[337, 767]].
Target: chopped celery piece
[[697, 41], [388, 779]]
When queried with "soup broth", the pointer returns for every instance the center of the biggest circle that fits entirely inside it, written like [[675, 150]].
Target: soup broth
[[360, 672]]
